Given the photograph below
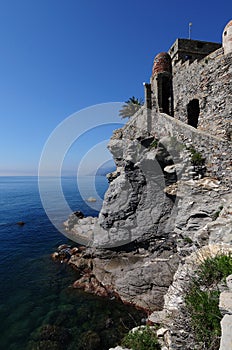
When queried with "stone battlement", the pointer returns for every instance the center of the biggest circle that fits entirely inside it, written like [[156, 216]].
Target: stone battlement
[[192, 83]]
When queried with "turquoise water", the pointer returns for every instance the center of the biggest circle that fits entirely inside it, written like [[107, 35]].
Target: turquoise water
[[38, 307]]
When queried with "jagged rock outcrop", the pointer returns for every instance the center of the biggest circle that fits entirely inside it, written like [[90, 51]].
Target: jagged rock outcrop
[[158, 210], [174, 316]]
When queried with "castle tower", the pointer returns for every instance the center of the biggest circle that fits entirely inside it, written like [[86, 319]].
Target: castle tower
[[227, 38], [161, 82]]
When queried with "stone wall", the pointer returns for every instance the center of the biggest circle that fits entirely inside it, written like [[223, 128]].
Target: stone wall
[[185, 49], [208, 81], [217, 151]]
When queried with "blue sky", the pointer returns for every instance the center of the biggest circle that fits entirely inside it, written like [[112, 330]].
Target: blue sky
[[59, 56]]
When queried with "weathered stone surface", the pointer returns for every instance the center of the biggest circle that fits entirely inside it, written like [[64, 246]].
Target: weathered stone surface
[[119, 348], [80, 228], [137, 213], [221, 230], [139, 278], [226, 339], [208, 80], [174, 315], [229, 282], [225, 304]]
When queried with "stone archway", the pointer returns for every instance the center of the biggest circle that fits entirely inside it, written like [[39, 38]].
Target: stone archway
[[193, 111]]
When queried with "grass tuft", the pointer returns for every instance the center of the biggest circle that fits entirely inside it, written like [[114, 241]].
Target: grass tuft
[[144, 339], [196, 157]]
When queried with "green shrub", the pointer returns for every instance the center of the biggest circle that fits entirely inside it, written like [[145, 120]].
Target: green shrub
[[144, 339], [202, 299], [188, 240], [214, 269], [154, 144], [196, 157], [205, 314]]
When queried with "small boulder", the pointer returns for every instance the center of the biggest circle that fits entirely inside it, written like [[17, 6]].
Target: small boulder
[[90, 341], [78, 214], [20, 223], [91, 199]]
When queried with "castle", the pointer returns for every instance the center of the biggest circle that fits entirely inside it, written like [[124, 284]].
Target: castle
[[192, 82]]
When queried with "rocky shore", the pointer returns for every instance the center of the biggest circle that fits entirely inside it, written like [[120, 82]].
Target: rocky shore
[[153, 277], [104, 272], [169, 197]]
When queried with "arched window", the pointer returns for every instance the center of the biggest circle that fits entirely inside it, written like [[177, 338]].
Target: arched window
[[193, 111]]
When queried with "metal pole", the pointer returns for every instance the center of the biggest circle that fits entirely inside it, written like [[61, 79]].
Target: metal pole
[[190, 28]]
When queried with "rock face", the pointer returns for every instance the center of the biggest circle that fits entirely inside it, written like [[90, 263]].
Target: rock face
[[168, 199], [135, 201], [160, 207]]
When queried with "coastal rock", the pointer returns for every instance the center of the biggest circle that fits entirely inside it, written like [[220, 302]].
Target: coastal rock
[[90, 284], [89, 341], [62, 247], [225, 304], [51, 337], [149, 230], [147, 276], [20, 223], [91, 199], [168, 200], [174, 316], [81, 229], [55, 333], [229, 282], [226, 339]]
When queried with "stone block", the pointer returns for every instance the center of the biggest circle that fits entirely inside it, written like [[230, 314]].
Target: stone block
[[229, 282], [225, 304], [226, 338]]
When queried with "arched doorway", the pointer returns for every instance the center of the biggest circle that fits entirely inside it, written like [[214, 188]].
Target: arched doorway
[[193, 111]]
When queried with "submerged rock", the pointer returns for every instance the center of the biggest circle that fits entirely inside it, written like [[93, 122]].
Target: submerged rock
[[89, 341], [20, 223], [50, 337]]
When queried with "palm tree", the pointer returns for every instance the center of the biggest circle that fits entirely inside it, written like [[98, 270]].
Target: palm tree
[[130, 107]]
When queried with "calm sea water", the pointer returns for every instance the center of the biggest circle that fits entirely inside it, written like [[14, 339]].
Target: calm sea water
[[38, 307]]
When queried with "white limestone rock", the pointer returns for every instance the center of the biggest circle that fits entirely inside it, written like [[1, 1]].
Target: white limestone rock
[[226, 337]]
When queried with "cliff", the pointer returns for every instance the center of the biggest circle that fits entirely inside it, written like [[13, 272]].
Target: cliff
[[159, 200], [163, 205], [169, 199]]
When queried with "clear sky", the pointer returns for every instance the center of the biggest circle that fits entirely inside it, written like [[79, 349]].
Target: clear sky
[[59, 56]]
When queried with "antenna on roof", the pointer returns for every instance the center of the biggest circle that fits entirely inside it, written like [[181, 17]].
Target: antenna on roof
[[190, 29]]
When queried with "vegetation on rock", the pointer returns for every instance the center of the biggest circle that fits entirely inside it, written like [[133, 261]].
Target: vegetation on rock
[[202, 300], [154, 144], [144, 339], [217, 213], [196, 157]]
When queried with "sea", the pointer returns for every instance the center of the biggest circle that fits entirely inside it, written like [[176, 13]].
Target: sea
[[39, 309]]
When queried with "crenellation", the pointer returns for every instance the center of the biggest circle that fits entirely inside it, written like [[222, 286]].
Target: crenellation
[[190, 50], [198, 88]]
